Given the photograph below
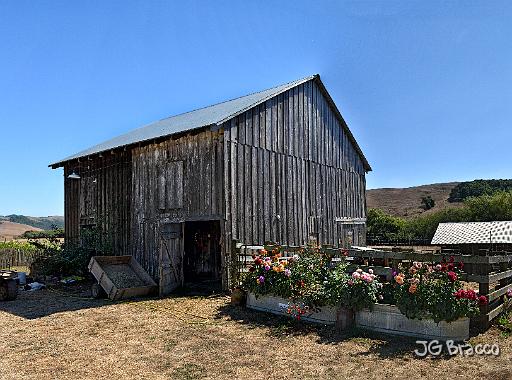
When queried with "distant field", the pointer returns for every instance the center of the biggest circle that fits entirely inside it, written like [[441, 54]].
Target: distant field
[[9, 230], [406, 202]]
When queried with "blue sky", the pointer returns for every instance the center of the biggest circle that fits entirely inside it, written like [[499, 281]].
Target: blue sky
[[426, 87]]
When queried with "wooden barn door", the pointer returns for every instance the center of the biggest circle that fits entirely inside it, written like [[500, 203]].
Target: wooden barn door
[[170, 204], [171, 257]]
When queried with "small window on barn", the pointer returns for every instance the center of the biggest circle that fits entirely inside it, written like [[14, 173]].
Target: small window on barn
[[170, 186]]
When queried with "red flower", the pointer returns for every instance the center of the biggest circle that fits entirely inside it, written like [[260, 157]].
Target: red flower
[[482, 300], [452, 276], [452, 259], [450, 267], [258, 261], [460, 294], [461, 265], [471, 295], [251, 269]]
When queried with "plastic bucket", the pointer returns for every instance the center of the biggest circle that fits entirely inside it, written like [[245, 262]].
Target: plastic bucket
[[22, 278]]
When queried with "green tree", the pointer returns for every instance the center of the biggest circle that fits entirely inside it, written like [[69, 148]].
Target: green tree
[[383, 225], [427, 202]]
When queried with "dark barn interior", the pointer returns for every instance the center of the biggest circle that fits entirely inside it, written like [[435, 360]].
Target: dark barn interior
[[202, 258]]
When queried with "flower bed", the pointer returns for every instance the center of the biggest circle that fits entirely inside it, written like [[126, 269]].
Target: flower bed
[[425, 291], [431, 301]]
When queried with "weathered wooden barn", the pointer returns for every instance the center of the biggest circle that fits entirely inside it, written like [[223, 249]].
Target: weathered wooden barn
[[279, 165]]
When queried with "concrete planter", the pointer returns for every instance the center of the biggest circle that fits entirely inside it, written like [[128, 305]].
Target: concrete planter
[[388, 319], [327, 315]]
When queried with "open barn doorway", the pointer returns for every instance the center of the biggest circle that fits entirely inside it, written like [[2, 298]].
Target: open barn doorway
[[202, 259]]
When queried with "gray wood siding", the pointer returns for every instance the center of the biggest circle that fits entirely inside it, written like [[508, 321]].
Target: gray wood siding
[[290, 171], [191, 165], [102, 197]]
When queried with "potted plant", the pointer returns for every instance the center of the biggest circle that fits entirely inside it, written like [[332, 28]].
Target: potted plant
[[360, 292]]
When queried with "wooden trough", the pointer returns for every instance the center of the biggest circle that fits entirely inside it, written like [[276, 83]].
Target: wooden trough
[[121, 277]]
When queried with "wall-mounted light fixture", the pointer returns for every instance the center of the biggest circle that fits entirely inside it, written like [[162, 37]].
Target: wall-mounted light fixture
[[73, 175]]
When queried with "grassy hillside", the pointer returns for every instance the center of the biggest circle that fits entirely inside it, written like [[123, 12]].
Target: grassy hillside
[[406, 202], [9, 230], [42, 222]]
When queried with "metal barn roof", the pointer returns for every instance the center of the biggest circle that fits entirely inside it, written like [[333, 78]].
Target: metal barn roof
[[213, 115], [473, 233]]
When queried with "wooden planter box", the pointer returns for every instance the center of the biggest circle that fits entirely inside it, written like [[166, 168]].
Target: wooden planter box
[[109, 271], [388, 319], [277, 305]]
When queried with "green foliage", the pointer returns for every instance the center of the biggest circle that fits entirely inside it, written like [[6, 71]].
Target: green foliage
[[424, 226], [504, 321], [485, 208], [423, 291], [427, 202], [54, 233], [26, 246], [68, 259], [378, 223], [478, 188], [309, 277], [361, 291]]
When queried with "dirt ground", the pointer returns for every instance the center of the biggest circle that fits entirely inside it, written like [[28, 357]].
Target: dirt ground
[[65, 335]]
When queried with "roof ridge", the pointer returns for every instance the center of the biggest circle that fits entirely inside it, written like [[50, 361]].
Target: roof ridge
[[239, 97]]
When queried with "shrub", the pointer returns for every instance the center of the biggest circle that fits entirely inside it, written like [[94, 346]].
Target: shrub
[[427, 202], [426, 291], [361, 290], [309, 277], [478, 188], [70, 259], [385, 226]]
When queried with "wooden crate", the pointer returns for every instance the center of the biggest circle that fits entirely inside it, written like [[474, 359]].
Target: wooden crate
[[106, 269]]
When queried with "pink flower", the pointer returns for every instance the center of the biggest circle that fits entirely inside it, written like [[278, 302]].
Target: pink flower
[[267, 267], [438, 267], [509, 292], [287, 272], [356, 275], [350, 282], [370, 271]]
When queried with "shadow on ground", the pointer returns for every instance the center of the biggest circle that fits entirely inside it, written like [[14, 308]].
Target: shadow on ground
[[52, 300], [377, 344], [63, 298]]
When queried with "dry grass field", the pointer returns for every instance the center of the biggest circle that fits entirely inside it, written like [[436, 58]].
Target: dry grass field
[[10, 230], [406, 202], [50, 335]]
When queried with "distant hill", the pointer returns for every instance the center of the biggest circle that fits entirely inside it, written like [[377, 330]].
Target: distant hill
[[406, 202], [38, 222], [9, 230]]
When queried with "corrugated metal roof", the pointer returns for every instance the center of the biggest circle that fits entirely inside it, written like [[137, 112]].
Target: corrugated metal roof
[[473, 233], [213, 115]]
